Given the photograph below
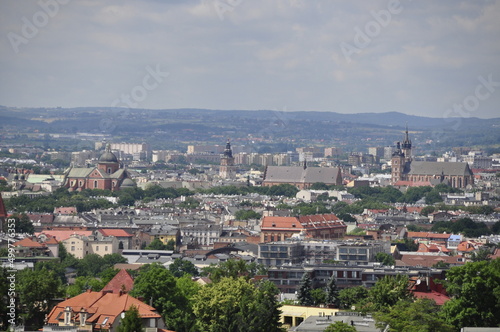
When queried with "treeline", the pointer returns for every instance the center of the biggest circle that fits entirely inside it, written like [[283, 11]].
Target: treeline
[[465, 226], [287, 190], [473, 288], [87, 199], [232, 302], [412, 195]]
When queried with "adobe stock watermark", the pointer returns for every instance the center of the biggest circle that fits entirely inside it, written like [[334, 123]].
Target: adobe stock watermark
[[363, 37], [11, 277], [150, 81], [40, 19], [483, 90], [455, 115]]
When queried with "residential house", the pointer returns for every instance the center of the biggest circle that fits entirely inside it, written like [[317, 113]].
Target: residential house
[[99, 311], [321, 226]]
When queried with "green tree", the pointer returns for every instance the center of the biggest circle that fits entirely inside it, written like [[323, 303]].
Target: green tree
[[332, 292], [352, 296], [180, 267], [340, 327], [304, 292], [35, 289], [421, 315], [246, 215], [427, 210], [132, 322], [387, 292], [385, 258], [233, 268], [155, 284], [319, 296], [156, 244], [483, 254], [237, 304], [82, 284], [475, 291]]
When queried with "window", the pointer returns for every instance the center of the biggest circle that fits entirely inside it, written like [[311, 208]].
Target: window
[[72, 248], [106, 248], [97, 248], [95, 183]]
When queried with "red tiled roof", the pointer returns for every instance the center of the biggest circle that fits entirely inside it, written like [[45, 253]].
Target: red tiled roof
[[428, 235], [63, 235], [116, 232], [439, 298], [302, 222], [51, 240], [121, 282], [281, 223], [101, 305], [28, 243]]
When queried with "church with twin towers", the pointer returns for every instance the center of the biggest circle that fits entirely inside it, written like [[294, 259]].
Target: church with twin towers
[[408, 172]]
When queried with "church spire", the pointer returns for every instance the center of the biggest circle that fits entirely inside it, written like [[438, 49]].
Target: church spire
[[228, 152]]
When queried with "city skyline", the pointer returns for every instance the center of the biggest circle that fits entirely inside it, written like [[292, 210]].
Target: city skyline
[[417, 58]]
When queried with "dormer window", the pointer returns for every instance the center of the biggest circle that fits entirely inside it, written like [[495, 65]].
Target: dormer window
[[67, 316], [83, 317]]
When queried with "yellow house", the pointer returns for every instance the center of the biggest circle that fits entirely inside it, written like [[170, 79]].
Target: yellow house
[[293, 315]]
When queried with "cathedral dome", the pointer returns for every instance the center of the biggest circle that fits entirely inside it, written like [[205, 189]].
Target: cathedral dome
[[108, 156], [128, 183]]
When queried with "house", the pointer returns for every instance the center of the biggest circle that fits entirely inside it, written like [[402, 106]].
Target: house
[[301, 177], [80, 246], [320, 226], [121, 282], [124, 238], [99, 311]]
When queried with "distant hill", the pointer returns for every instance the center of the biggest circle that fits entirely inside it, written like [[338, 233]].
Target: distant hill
[[174, 128]]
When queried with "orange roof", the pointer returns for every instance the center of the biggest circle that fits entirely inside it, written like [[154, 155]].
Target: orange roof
[[101, 306], [428, 235], [286, 223], [114, 232], [466, 246], [29, 243], [121, 282], [51, 240], [439, 298], [302, 222], [63, 235]]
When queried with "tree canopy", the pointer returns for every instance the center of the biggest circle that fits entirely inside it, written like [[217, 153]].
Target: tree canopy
[[237, 304]]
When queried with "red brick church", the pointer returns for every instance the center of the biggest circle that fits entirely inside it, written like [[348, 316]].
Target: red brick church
[[107, 175]]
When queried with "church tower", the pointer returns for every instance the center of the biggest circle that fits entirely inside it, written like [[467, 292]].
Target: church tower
[[406, 146], [400, 159], [227, 169], [108, 162]]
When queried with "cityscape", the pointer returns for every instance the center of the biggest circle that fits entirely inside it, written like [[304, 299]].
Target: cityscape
[[264, 165]]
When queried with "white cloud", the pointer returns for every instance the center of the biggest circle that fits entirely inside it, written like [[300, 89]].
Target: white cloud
[[262, 54]]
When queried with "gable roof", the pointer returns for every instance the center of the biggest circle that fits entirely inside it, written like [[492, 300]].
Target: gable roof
[[103, 308], [116, 232], [28, 243], [122, 281], [437, 168], [297, 174], [63, 235]]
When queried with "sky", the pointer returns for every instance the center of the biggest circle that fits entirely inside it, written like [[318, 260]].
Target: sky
[[427, 58]]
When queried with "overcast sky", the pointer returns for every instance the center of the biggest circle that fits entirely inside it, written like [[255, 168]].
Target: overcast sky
[[429, 58]]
